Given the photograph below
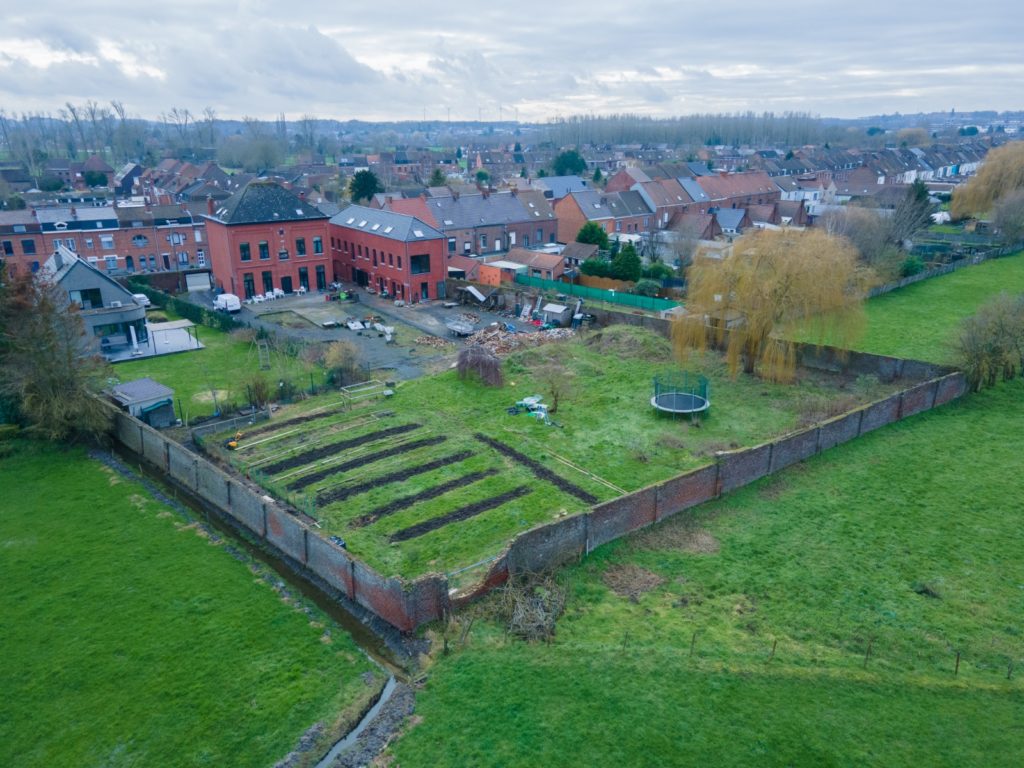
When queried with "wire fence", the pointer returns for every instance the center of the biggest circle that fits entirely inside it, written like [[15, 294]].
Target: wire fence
[[598, 294]]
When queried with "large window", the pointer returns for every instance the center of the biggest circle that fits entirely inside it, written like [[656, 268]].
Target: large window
[[300, 246], [8, 248], [268, 282], [90, 298], [28, 247], [321, 277], [140, 241], [419, 264], [451, 245], [107, 242], [248, 284], [318, 245], [304, 277], [264, 250], [244, 252], [282, 255]]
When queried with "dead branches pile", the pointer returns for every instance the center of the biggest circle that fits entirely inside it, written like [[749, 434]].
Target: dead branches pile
[[530, 606], [482, 362]]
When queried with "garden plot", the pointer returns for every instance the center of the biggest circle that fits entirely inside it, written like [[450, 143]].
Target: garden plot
[[446, 476]]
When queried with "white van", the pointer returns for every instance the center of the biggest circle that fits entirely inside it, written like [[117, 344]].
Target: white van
[[141, 299], [227, 302]]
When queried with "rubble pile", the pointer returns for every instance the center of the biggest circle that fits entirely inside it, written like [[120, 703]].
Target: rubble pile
[[502, 342]]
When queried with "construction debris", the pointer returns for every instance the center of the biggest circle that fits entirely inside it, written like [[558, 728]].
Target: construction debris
[[501, 342]]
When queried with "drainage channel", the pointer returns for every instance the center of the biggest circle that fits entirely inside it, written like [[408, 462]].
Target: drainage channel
[[375, 647], [349, 740]]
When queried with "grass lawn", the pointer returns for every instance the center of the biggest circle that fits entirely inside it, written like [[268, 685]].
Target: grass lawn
[[897, 539], [921, 320], [222, 368], [129, 639], [608, 431], [901, 548]]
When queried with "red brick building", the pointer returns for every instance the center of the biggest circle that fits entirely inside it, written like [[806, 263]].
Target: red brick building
[[394, 254], [266, 237], [121, 240]]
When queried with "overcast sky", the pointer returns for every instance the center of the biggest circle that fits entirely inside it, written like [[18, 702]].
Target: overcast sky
[[534, 60]]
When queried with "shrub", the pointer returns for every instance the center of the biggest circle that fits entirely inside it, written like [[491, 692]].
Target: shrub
[[912, 265], [991, 343], [341, 359], [647, 288]]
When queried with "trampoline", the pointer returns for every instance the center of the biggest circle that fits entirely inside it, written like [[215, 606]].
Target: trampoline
[[680, 394]]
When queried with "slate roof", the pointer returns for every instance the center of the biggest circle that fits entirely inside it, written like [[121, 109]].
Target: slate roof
[[261, 202], [730, 218], [394, 226], [560, 186], [467, 211], [693, 189], [140, 390], [596, 206], [153, 215]]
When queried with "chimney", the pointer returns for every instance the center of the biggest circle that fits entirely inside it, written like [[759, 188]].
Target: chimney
[[302, 195], [209, 205]]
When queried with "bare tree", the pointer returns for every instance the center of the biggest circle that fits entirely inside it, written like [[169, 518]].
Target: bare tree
[[210, 122], [1008, 216]]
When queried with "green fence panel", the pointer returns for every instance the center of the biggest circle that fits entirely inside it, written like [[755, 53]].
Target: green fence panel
[[598, 294]]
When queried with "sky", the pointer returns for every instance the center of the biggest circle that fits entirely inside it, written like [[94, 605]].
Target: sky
[[529, 60]]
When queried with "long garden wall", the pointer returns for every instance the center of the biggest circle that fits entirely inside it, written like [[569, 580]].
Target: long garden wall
[[406, 605]]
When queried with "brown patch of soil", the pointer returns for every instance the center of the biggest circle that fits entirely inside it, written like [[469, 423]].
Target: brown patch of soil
[[631, 581], [685, 538]]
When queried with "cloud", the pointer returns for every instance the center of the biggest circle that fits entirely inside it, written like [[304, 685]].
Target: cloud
[[388, 60]]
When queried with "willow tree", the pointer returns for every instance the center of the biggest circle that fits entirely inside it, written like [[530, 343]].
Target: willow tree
[[1002, 173], [775, 285]]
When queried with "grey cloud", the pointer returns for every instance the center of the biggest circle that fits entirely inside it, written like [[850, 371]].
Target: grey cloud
[[384, 59]]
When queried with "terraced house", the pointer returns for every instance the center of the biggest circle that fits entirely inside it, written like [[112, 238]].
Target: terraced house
[[266, 237], [488, 222], [394, 254], [117, 240]]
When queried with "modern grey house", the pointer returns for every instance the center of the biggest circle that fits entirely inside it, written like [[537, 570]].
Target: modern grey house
[[107, 308]]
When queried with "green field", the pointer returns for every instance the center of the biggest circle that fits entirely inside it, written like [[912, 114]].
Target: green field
[[920, 321], [609, 441], [218, 372], [813, 618], [129, 638]]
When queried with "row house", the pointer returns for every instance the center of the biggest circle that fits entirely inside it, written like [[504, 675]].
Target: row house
[[120, 240], [615, 212], [396, 255], [486, 222], [738, 190], [811, 188], [266, 238]]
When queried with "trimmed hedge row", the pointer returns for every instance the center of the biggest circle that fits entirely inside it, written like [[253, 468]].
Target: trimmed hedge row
[[200, 315]]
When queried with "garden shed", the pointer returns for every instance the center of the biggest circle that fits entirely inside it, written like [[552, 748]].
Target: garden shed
[[147, 400]]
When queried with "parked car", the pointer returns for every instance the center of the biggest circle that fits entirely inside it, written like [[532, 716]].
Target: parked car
[[141, 299]]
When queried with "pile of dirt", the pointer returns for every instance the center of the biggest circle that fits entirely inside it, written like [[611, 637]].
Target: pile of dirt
[[501, 342], [631, 581], [627, 341]]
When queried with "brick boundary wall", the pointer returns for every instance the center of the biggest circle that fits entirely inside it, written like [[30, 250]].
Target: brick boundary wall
[[407, 605], [403, 605]]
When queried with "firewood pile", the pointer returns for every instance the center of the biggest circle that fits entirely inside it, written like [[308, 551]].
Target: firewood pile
[[432, 341]]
